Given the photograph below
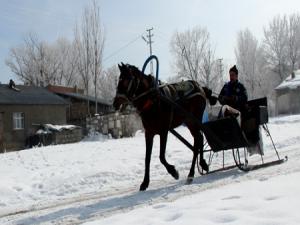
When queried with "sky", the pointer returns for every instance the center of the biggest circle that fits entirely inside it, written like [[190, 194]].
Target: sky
[[126, 21]]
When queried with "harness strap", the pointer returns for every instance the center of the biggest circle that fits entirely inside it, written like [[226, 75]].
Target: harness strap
[[144, 94], [122, 96], [137, 86]]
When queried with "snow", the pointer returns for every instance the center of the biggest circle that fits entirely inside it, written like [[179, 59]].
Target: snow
[[289, 82], [245, 203], [96, 181], [59, 127]]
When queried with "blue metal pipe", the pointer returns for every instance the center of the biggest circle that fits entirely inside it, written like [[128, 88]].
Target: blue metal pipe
[[157, 67]]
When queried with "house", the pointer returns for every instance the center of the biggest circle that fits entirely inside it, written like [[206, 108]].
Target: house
[[77, 112], [23, 109], [288, 95]]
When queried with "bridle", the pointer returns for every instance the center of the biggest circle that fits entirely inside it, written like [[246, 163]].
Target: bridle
[[130, 91], [130, 95]]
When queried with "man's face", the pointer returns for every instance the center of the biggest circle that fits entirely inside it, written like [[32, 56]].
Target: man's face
[[233, 76]]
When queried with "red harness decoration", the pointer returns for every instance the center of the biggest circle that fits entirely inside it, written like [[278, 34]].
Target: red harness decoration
[[147, 105]]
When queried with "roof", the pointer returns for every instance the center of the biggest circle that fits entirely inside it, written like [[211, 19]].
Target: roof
[[86, 97], [62, 89], [290, 82], [28, 95]]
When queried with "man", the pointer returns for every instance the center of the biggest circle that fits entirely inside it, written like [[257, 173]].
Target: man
[[233, 96]]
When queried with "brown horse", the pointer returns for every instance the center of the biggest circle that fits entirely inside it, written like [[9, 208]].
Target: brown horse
[[159, 117]]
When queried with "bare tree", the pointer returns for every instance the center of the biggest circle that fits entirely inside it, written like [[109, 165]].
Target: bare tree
[[97, 38], [294, 41], [89, 41], [247, 53], [65, 53], [34, 62], [212, 75], [275, 45], [108, 83], [194, 56]]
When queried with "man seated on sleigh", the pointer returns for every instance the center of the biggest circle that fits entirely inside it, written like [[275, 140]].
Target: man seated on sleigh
[[233, 98]]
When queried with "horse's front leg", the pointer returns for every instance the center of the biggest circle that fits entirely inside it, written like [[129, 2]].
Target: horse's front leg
[[162, 156], [149, 143]]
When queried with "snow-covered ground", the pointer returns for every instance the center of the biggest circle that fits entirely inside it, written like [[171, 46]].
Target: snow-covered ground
[[96, 181]]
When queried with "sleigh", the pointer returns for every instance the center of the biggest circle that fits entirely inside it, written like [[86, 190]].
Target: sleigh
[[225, 135]]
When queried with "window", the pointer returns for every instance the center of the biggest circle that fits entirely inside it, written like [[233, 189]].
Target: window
[[18, 120]]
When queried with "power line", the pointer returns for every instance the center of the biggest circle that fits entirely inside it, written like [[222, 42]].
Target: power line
[[121, 48]]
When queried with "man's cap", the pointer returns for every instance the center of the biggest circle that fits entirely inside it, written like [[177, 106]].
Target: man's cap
[[234, 69]]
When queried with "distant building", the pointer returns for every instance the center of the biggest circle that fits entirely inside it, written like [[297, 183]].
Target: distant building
[[288, 95], [77, 111], [23, 109]]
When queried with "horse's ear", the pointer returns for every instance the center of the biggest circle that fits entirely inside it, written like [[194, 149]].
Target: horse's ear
[[120, 68]]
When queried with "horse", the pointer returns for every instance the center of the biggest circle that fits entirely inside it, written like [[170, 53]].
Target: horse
[[158, 117]]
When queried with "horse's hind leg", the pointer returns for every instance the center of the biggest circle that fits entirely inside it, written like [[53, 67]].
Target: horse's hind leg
[[198, 149], [197, 142], [202, 162], [162, 156]]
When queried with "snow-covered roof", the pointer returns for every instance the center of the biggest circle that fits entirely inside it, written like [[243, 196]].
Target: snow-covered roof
[[290, 82]]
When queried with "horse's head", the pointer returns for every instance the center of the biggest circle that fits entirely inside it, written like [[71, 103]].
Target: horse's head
[[128, 84]]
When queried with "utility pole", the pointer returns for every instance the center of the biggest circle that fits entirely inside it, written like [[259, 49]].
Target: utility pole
[[149, 41]]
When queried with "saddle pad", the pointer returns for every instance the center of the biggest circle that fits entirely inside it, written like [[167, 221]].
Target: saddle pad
[[179, 90]]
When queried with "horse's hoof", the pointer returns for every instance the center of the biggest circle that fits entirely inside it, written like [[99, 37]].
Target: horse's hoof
[[176, 175], [189, 180], [171, 170], [144, 186]]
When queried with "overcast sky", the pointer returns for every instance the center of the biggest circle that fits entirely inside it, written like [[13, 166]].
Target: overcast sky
[[126, 21]]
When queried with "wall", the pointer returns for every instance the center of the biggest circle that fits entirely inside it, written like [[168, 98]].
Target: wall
[[288, 101], [34, 115], [116, 124], [67, 136], [1, 132]]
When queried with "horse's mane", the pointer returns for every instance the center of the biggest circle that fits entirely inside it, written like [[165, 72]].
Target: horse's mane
[[136, 70]]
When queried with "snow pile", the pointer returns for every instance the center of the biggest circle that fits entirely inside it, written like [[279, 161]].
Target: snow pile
[[96, 137], [59, 127]]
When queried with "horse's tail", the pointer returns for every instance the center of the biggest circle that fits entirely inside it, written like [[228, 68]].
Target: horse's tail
[[208, 93]]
